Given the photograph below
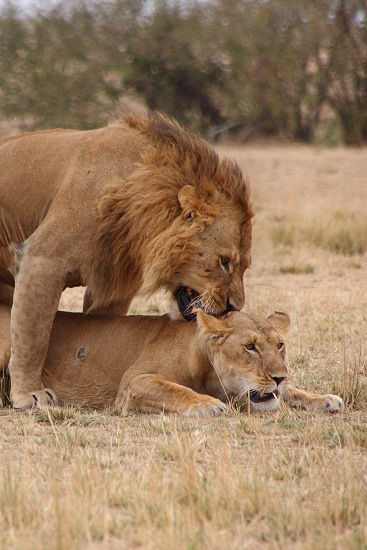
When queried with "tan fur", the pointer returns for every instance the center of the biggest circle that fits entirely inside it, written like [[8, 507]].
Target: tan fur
[[154, 364], [131, 208]]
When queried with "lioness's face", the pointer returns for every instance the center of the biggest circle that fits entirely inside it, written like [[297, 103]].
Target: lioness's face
[[213, 279], [248, 355]]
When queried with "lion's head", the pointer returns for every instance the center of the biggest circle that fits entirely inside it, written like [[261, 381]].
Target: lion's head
[[208, 272], [182, 222], [248, 354]]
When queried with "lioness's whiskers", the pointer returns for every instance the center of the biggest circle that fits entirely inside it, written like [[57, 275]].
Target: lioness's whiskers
[[245, 392], [220, 380]]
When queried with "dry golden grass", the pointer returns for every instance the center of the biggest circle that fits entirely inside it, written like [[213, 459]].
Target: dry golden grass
[[74, 478]]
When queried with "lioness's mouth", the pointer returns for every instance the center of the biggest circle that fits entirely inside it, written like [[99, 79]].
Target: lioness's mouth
[[187, 300], [256, 397]]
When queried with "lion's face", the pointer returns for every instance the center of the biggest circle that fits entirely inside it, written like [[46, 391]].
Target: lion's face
[[248, 354], [212, 277]]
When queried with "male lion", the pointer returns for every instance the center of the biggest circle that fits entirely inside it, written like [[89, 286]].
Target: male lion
[[137, 206], [154, 364]]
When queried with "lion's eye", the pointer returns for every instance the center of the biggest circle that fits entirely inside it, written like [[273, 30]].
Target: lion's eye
[[280, 346], [224, 262], [250, 346]]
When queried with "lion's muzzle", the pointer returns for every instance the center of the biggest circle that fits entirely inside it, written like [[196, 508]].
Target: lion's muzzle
[[189, 300]]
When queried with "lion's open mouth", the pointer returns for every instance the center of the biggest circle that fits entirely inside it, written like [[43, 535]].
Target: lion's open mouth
[[187, 300], [256, 397]]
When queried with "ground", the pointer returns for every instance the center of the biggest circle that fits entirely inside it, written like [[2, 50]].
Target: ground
[[74, 478]]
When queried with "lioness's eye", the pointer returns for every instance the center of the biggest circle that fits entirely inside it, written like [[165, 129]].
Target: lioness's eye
[[280, 346], [250, 346]]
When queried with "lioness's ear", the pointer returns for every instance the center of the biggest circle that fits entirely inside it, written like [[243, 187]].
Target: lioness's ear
[[280, 321], [211, 328], [189, 201]]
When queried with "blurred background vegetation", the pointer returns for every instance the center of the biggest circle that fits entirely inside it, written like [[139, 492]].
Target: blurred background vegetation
[[227, 68]]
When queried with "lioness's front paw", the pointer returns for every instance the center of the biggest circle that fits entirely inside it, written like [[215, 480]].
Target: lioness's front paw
[[332, 403], [212, 407], [24, 400]]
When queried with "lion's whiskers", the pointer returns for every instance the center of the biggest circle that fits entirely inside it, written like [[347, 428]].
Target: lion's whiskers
[[203, 301], [195, 303], [207, 303]]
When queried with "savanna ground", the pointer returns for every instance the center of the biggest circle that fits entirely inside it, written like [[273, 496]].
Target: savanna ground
[[74, 478]]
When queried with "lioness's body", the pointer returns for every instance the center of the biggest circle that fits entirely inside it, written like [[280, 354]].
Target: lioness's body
[[154, 364], [138, 205], [88, 354]]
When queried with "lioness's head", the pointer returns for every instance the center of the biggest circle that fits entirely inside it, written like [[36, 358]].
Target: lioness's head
[[248, 355]]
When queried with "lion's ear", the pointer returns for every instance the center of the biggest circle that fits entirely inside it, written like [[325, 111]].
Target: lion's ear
[[189, 202], [211, 328], [280, 321]]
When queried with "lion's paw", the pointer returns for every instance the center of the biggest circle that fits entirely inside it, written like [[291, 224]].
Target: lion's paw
[[332, 403], [24, 400], [210, 407]]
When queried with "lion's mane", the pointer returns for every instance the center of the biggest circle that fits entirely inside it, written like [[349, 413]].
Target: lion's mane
[[141, 232]]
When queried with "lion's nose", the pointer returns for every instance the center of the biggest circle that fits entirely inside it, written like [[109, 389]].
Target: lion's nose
[[230, 307], [278, 379]]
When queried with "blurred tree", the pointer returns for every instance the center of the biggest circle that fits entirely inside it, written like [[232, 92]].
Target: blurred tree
[[173, 66], [276, 63], [50, 74], [348, 66], [215, 65]]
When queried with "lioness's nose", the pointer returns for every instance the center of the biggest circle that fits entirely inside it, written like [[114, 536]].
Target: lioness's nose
[[278, 379]]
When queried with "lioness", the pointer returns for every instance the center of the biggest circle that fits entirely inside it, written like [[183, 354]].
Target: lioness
[[154, 364], [137, 206]]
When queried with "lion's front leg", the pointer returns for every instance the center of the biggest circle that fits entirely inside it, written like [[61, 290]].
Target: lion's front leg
[[149, 393], [6, 294], [297, 397], [38, 287]]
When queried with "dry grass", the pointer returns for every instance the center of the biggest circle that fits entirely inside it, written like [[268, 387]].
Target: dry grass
[[342, 233], [73, 478]]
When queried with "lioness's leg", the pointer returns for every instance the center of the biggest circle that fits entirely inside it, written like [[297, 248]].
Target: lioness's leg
[[115, 308], [149, 393], [297, 397], [38, 286]]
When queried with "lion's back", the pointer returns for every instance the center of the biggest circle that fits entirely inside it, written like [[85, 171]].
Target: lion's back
[[53, 172]]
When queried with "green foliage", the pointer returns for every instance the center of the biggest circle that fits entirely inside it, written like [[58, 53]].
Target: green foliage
[[219, 67]]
